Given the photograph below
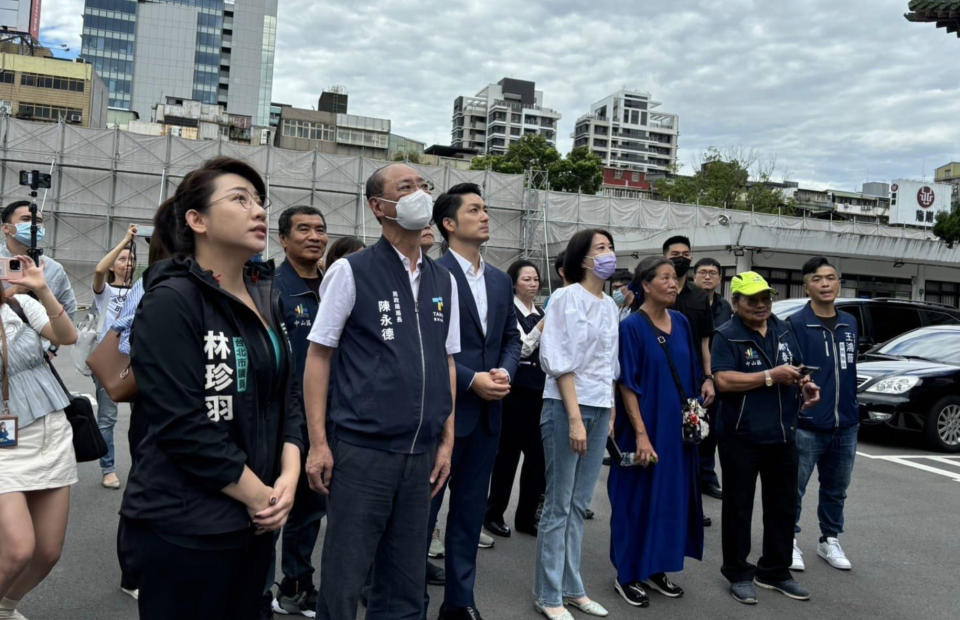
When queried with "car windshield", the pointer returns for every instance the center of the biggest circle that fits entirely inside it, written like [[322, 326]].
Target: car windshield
[[784, 309], [938, 345]]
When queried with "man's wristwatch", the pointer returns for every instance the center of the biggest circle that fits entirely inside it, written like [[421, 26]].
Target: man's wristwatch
[[710, 378], [767, 379]]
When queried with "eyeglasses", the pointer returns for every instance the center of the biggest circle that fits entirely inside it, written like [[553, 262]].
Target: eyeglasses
[[410, 186], [708, 273], [246, 200]]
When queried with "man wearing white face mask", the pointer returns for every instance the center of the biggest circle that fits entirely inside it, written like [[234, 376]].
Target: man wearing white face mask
[[390, 317], [16, 228]]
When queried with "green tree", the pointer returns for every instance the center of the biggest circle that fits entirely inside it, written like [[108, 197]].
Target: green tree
[[947, 227], [723, 179], [411, 156], [581, 170]]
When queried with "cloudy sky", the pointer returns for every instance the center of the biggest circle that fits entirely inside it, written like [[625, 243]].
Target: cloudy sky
[[836, 91]]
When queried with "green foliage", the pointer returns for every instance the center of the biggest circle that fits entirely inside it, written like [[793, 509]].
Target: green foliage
[[581, 170], [410, 156], [723, 180], [947, 227]]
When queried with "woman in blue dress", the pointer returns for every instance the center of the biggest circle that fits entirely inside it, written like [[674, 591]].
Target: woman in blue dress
[[657, 518]]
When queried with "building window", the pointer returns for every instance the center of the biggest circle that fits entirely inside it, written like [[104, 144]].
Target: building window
[[50, 112], [514, 131], [618, 174], [514, 118], [50, 81], [6, 77], [635, 177]]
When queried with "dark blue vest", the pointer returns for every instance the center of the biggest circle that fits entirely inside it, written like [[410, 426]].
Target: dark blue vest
[[529, 374], [391, 390]]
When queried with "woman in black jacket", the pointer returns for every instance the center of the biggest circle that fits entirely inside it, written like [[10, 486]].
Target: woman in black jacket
[[218, 466]]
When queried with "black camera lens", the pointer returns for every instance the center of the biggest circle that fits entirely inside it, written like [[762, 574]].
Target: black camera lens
[[14, 265]]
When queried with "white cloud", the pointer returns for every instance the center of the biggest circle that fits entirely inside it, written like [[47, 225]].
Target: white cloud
[[834, 89]]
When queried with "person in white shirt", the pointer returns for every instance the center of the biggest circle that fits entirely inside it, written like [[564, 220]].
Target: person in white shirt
[[112, 279], [578, 352]]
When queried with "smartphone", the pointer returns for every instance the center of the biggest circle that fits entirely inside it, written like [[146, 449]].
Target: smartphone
[[808, 370], [11, 269], [145, 231]]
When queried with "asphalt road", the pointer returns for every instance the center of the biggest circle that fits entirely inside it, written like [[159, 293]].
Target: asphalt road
[[902, 517]]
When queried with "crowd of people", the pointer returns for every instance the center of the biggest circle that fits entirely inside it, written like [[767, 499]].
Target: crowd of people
[[365, 385]]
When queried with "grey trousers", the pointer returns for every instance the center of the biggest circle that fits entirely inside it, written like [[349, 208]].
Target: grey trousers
[[377, 512]]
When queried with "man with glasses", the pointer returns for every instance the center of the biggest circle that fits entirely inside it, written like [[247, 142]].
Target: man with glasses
[[693, 304], [707, 276], [759, 374], [389, 318]]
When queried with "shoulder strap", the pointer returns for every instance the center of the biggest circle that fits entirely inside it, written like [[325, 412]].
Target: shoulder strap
[[6, 379], [666, 351], [16, 307]]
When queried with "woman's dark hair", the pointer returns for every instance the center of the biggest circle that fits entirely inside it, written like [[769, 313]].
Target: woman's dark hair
[[558, 263], [646, 271], [341, 247], [514, 270], [577, 250], [163, 242], [195, 190]]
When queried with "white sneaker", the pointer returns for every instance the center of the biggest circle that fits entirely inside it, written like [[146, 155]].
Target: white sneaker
[[485, 541], [134, 593], [436, 545], [798, 564], [833, 554], [11, 614]]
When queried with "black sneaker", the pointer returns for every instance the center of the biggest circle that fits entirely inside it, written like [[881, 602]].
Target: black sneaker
[[789, 588], [633, 593], [266, 607], [303, 603], [743, 592], [664, 586]]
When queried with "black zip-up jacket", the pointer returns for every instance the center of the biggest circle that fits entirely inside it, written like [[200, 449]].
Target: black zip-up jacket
[[212, 396]]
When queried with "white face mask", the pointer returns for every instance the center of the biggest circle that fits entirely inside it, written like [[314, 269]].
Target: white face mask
[[414, 211]]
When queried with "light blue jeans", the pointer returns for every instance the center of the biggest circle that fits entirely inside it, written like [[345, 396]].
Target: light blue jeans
[[571, 479], [106, 419]]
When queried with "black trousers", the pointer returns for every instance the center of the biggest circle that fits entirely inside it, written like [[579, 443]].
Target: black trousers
[[776, 465], [520, 434], [138, 430], [377, 514], [708, 448], [192, 584]]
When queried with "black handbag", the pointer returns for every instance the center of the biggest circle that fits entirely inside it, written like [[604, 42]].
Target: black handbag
[[694, 416], [88, 442]]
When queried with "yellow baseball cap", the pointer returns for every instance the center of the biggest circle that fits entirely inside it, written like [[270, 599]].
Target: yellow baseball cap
[[750, 283]]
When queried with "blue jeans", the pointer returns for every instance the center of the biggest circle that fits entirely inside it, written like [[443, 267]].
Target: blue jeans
[[571, 479], [106, 420], [833, 453]]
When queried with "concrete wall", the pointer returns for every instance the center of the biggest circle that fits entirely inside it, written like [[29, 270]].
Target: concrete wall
[[165, 55]]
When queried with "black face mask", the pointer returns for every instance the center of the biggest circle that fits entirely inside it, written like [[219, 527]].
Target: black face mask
[[681, 265]]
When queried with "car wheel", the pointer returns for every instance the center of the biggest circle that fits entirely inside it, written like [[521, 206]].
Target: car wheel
[[942, 428]]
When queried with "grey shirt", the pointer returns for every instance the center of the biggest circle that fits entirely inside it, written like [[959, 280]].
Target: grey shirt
[[57, 280]]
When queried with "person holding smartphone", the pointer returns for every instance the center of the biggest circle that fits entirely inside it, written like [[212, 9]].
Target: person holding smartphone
[[36, 474], [112, 278], [756, 357], [827, 433]]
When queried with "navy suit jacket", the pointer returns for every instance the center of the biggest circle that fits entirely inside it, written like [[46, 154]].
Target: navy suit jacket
[[500, 348]]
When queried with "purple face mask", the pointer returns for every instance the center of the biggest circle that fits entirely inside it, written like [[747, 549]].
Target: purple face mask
[[604, 265]]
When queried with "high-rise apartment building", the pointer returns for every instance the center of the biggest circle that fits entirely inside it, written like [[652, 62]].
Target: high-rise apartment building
[[626, 132], [501, 114], [212, 51]]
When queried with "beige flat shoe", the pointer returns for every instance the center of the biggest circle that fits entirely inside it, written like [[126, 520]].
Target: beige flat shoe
[[565, 615], [592, 607], [111, 481]]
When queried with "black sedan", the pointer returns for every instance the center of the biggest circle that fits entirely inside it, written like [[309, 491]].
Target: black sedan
[[913, 383]]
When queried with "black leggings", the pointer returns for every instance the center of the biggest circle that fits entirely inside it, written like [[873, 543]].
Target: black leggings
[[193, 584]]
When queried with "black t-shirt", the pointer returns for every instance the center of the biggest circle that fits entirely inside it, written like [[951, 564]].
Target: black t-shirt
[[314, 284], [830, 321], [693, 303]]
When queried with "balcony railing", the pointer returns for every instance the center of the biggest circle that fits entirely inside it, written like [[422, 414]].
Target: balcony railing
[[519, 106]]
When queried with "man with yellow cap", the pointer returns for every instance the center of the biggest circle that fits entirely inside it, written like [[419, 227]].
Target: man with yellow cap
[[762, 385]]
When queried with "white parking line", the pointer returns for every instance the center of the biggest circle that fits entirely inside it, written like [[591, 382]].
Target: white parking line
[[906, 460]]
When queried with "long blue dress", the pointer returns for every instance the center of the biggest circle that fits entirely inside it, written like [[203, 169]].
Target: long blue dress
[[657, 516]]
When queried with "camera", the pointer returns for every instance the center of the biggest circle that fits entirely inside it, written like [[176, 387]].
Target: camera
[[35, 179]]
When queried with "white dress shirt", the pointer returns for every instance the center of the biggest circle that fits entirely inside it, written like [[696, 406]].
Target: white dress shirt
[[478, 286], [581, 335], [338, 294], [529, 342]]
